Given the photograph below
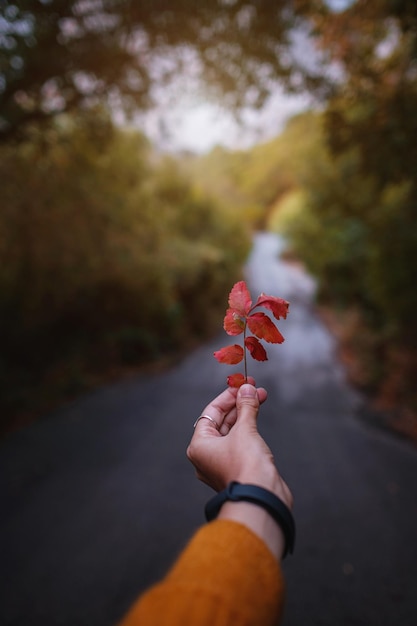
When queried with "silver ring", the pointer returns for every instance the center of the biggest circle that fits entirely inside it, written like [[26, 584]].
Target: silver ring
[[208, 418]]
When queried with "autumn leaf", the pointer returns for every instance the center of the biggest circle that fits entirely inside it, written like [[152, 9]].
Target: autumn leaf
[[236, 380], [256, 349], [278, 306], [233, 324], [264, 328], [240, 299], [240, 317], [230, 354]]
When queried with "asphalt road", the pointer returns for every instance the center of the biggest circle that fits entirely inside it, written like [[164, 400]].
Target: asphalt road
[[97, 500]]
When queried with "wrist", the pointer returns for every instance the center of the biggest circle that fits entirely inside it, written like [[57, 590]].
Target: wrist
[[266, 513], [269, 479]]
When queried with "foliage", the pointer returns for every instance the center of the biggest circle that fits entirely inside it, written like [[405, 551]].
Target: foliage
[[107, 254], [253, 181], [356, 237], [65, 54], [240, 316], [370, 129], [288, 210], [219, 173]]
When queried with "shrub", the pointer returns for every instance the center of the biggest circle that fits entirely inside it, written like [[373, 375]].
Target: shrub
[[106, 253]]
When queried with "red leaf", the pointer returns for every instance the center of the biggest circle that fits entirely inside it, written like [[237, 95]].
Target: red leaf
[[239, 299], [256, 349], [264, 328], [236, 380], [233, 323], [229, 354], [278, 306]]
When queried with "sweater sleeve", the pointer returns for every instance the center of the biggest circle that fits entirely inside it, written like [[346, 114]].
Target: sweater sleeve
[[226, 575]]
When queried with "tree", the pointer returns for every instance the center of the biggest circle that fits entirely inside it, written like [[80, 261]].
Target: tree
[[108, 257], [62, 54], [375, 45], [373, 112]]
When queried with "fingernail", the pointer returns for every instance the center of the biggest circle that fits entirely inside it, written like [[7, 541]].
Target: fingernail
[[248, 391]]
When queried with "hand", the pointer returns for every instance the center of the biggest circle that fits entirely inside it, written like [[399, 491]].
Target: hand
[[235, 450]]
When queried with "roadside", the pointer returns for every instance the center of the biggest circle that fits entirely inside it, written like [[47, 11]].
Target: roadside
[[388, 403], [67, 382], [379, 372]]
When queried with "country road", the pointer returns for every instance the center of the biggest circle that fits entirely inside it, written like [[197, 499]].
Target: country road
[[97, 500]]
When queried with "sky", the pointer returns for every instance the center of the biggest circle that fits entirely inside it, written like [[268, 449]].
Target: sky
[[190, 123]]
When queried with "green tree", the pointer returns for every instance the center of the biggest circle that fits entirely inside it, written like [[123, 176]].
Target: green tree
[[372, 113], [125, 265]]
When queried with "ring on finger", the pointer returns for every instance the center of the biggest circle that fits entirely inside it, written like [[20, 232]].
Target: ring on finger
[[208, 418]]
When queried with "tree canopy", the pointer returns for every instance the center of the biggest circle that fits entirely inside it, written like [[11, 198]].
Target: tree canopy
[[58, 55], [375, 45], [61, 54]]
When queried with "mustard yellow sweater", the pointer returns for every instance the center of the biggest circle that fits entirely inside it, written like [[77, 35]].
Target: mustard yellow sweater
[[226, 576]]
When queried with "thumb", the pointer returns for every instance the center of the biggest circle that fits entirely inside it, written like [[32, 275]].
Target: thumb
[[247, 403]]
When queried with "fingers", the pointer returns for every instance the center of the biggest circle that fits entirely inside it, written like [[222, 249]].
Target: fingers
[[232, 416], [247, 403], [229, 422], [221, 406], [223, 409], [262, 394]]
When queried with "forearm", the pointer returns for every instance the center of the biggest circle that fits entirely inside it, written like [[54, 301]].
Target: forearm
[[258, 521], [226, 575]]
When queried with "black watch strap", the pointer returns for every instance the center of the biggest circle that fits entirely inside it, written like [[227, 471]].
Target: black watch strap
[[236, 492]]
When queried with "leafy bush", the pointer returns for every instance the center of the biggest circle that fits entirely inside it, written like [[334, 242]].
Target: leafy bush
[[107, 255], [358, 237]]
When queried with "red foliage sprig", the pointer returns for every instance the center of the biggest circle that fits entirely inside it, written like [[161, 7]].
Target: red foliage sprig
[[239, 318]]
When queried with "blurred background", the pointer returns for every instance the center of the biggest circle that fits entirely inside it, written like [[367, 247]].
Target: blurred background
[[143, 143]]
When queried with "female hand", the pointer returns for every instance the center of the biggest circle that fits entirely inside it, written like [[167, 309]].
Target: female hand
[[234, 450]]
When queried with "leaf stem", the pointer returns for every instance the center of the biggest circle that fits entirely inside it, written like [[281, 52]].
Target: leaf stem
[[244, 353]]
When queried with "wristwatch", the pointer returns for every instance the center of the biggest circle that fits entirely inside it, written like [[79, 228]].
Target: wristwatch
[[236, 492]]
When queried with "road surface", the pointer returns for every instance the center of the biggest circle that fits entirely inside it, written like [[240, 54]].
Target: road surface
[[97, 500]]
